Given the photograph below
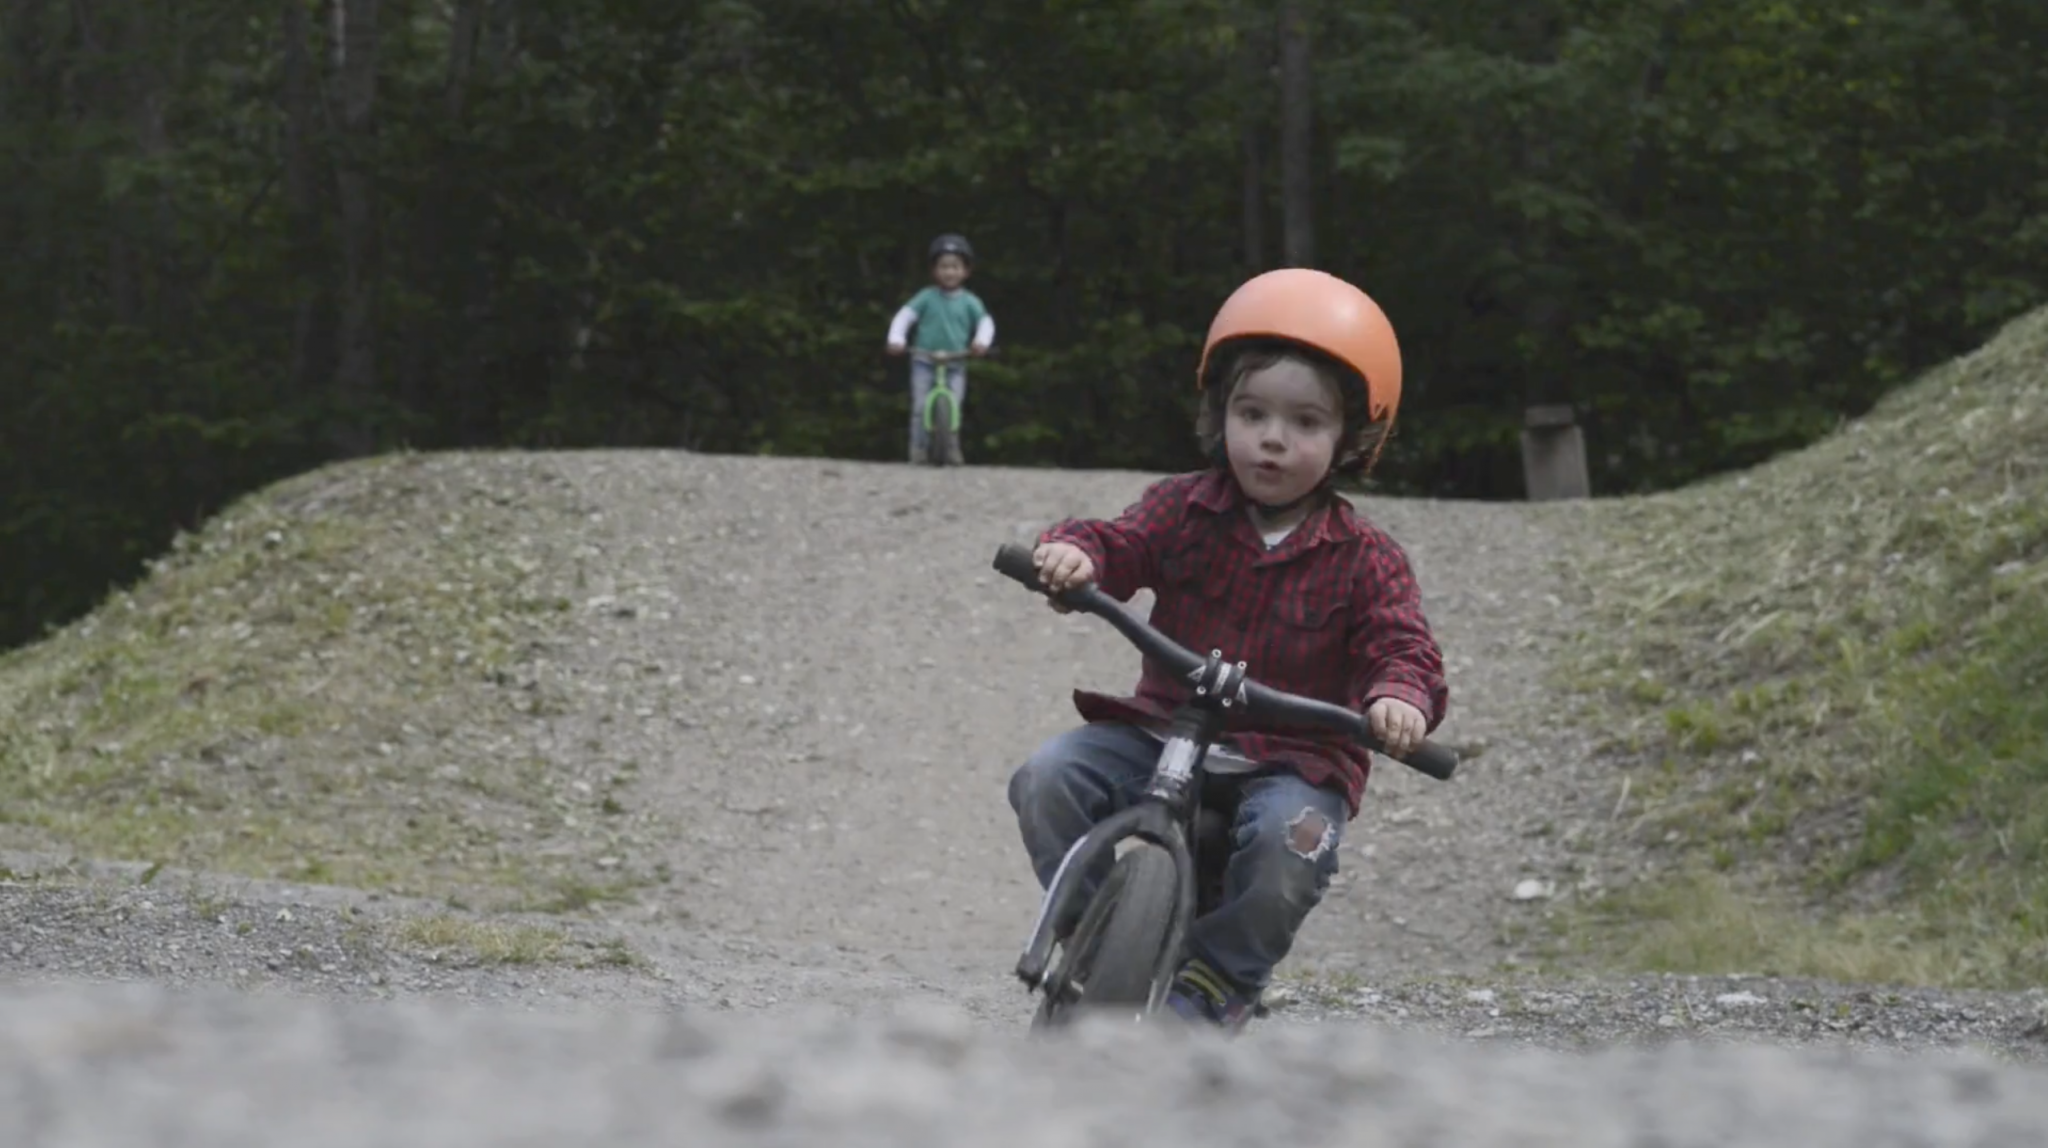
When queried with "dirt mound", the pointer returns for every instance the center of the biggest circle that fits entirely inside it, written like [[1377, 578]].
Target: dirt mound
[[1825, 674], [659, 729], [758, 697]]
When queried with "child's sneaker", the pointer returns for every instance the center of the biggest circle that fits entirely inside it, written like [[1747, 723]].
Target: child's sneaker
[[1200, 993]]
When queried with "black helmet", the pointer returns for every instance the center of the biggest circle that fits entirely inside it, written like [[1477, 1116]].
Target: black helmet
[[950, 244]]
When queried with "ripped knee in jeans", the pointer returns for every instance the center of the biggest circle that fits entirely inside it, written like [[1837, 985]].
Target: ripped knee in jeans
[[1310, 835]]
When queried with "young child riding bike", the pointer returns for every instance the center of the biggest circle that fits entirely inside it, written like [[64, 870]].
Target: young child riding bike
[[1260, 557], [948, 318]]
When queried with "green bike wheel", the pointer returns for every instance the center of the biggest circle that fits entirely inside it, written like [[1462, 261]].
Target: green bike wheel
[[942, 426]]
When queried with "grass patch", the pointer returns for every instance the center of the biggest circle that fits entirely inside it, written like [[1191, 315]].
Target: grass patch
[[330, 682], [1829, 675], [478, 941], [484, 942], [1707, 923]]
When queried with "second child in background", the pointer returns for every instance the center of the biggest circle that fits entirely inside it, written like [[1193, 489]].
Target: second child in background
[[947, 317]]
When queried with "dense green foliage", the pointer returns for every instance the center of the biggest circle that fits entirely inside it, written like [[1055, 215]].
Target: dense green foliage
[[248, 237]]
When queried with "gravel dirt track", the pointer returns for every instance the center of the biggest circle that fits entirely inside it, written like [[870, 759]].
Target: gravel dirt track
[[825, 687]]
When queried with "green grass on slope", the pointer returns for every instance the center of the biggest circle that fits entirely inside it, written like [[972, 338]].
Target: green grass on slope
[[1829, 676], [328, 683]]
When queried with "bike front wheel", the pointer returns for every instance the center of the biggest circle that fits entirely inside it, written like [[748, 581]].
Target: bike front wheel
[[1110, 956], [942, 438]]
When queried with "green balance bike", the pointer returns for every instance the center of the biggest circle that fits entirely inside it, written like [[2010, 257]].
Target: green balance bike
[[941, 411]]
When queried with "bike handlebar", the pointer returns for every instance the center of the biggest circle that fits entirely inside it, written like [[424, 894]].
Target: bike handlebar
[[1015, 562]]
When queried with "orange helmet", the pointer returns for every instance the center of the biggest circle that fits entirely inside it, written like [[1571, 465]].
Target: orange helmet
[[1320, 311]]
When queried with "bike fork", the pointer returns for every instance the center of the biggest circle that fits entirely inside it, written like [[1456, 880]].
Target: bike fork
[[1151, 821], [931, 401]]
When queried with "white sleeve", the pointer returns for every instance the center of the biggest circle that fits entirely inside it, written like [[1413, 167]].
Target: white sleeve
[[899, 327], [985, 331]]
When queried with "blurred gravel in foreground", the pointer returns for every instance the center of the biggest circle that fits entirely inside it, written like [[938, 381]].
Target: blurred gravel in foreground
[[86, 1067]]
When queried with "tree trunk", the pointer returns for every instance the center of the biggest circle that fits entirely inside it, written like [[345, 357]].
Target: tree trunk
[[1546, 309], [103, 93], [478, 40], [1656, 71], [148, 84], [1297, 173], [356, 378], [501, 30], [1254, 64], [302, 202], [467, 26], [26, 90]]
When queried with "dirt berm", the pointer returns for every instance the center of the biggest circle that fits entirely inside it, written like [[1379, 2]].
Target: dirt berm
[[683, 776]]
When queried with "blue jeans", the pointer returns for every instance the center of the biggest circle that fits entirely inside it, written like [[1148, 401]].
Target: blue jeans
[[921, 378], [1284, 852]]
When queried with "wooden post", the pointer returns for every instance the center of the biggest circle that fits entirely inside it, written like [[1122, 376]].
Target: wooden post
[[1553, 455]]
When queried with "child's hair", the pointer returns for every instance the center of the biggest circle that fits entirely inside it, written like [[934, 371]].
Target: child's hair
[[1360, 443]]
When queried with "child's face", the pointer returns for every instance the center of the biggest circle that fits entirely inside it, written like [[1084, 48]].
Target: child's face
[[1281, 429], [950, 271]]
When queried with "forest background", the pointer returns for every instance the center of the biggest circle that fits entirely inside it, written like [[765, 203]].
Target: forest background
[[247, 237]]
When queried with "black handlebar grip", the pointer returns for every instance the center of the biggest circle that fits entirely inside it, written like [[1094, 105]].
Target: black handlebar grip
[[1014, 561], [1433, 759]]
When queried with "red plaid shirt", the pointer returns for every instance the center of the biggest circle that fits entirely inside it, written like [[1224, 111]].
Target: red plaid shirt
[[1332, 613]]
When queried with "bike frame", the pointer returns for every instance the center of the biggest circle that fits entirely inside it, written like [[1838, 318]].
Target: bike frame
[[941, 362], [1163, 815]]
